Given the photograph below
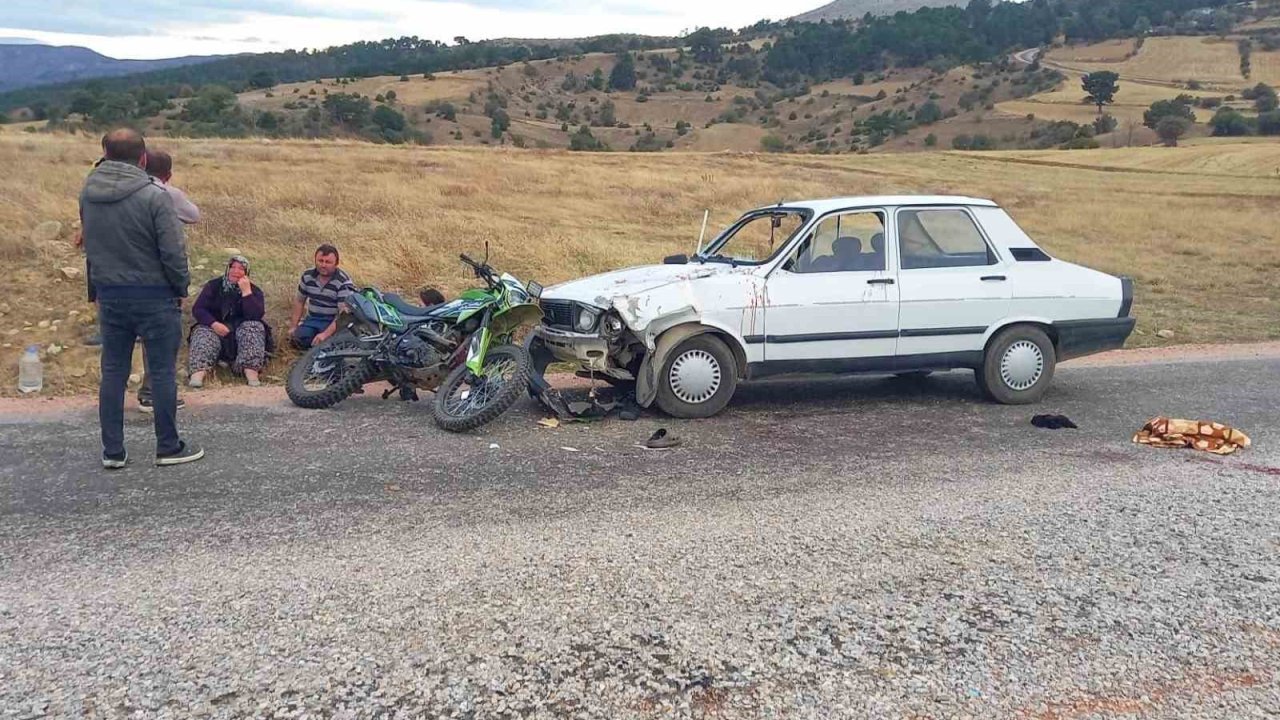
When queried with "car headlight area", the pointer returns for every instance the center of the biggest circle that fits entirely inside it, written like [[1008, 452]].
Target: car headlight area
[[586, 320]]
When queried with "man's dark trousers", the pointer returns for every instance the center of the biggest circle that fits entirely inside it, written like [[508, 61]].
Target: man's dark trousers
[[159, 323]]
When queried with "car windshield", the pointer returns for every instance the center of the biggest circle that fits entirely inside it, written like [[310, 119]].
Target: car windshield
[[756, 236]]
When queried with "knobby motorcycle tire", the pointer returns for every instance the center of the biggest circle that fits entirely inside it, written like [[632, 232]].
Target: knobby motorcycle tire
[[507, 397], [351, 381]]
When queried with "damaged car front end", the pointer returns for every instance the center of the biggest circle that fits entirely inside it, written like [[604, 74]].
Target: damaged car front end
[[621, 327]]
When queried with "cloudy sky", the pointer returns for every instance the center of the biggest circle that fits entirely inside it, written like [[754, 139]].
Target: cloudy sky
[[169, 28]]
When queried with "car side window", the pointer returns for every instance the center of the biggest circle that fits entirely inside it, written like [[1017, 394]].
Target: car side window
[[850, 242], [943, 237]]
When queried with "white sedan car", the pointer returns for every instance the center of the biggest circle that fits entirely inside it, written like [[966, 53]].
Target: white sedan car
[[903, 285]]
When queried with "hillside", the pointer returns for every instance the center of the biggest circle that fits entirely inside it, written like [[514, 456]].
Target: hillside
[[29, 65], [856, 9], [401, 215], [548, 103]]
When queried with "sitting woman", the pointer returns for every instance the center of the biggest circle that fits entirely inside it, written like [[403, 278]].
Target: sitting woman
[[229, 326]]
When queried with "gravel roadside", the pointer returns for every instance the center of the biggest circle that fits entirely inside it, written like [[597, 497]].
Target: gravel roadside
[[873, 550]]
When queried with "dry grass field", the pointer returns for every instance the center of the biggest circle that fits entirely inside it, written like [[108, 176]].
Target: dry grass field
[[1159, 70], [1174, 61], [1195, 226]]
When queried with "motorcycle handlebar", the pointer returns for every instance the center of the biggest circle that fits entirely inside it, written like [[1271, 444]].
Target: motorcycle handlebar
[[482, 271]]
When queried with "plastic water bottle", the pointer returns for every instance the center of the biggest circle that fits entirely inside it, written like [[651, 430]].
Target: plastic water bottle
[[30, 371]]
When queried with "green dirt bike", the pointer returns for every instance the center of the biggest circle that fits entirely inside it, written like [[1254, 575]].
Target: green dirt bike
[[463, 350]]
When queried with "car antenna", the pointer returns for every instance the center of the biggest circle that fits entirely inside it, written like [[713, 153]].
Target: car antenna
[[705, 215]]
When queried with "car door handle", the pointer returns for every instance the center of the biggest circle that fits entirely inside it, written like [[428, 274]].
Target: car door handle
[[880, 281], [1000, 278]]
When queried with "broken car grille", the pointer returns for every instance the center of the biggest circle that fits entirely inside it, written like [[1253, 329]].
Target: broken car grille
[[558, 313]]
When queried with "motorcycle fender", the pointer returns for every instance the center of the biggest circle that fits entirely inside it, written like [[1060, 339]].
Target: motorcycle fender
[[506, 322], [478, 350]]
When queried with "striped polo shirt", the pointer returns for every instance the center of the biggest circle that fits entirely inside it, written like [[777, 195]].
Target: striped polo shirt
[[324, 299]]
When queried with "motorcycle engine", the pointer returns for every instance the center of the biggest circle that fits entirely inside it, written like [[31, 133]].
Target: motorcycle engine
[[415, 351]]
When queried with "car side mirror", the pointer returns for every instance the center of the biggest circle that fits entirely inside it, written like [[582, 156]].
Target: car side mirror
[[680, 259]]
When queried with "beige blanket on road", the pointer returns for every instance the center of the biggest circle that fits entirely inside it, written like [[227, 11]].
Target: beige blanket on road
[[1197, 434]]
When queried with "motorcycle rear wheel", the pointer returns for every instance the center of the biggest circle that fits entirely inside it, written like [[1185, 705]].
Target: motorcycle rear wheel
[[465, 402], [316, 383]]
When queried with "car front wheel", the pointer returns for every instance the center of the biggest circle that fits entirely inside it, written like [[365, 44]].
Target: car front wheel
[[1018, 366], [698, 378]]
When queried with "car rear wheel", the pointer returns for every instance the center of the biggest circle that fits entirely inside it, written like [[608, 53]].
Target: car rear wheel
[[698, 378], [1018, 366]]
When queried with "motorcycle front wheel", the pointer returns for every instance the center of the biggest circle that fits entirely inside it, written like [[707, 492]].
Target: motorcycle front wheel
[[465, 401], [317, 382]]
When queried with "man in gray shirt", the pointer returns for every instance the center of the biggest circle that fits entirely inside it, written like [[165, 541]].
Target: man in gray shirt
[[137, 260]]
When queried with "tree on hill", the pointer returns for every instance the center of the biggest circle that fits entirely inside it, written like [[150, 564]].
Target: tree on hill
[[1172, 127], [347, 108], [704, 46], [262, 79], [1263, 97], [928, 113], [623, 75], [1100, 88], [597, 81], [208, 104], [607, 117], [499, 123], [1228, 122], [584, 140], [1179, 107]]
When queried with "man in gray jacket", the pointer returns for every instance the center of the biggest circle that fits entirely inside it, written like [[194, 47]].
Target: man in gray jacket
[[137, 260]]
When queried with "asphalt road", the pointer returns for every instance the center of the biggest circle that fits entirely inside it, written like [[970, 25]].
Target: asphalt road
[[842, 548]]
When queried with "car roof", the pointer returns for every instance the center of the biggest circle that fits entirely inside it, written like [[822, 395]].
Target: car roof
[[830, 204]]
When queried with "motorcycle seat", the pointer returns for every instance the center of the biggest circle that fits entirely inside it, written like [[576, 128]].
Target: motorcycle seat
[[405, 308]]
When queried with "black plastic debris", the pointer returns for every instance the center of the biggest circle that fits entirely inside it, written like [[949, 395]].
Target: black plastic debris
[[1053, 422], [661, 439]]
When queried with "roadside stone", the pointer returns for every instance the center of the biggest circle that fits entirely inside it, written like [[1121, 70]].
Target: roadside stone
[[43, 324], [73, 313], [135, 378], [70, 273], [14, 331], [46, 232], [1166, 334], [54, 350], [4, 307]]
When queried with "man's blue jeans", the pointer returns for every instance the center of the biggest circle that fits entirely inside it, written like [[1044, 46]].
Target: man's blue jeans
[[159, 323], [312, 325]]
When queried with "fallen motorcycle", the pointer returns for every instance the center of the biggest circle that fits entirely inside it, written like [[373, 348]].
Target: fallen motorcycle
[[462, 350]]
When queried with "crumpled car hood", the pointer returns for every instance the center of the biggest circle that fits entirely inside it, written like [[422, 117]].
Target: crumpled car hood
[[601, 290]]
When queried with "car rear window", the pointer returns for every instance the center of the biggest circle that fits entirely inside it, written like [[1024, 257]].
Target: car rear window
[[941, 237]]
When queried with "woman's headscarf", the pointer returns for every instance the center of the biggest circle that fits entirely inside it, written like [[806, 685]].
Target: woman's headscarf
[[227, 285]]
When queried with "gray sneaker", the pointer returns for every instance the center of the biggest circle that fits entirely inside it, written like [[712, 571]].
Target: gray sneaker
[[187, 453], [115, 462]]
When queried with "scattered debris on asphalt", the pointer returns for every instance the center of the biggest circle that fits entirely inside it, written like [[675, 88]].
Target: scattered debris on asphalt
[[566, 448], [1203, 435], [549, 422], [1053, 422]]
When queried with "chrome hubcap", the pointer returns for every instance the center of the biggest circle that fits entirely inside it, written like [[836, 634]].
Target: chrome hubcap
[[1022, 365], [695, 376]]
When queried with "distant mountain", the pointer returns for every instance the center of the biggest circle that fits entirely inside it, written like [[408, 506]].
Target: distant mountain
[[19, 41], [854, 9], [26, 65]]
